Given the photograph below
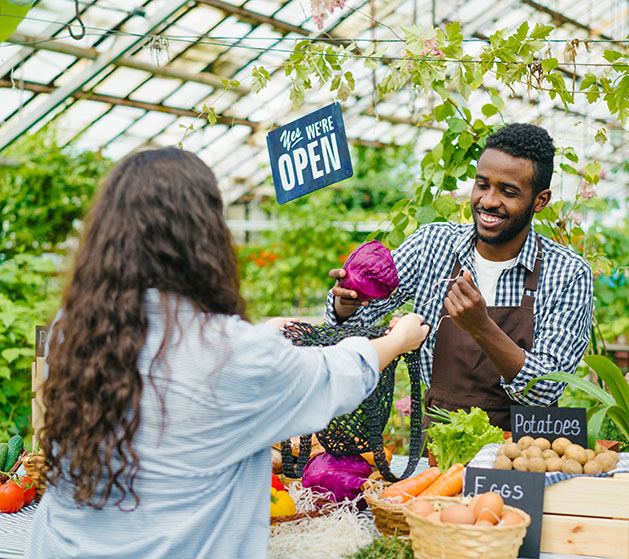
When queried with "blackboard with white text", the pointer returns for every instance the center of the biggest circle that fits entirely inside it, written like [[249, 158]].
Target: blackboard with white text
[[550, 423]]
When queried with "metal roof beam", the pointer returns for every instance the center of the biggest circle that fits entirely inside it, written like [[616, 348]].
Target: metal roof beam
[[255, 16], [563, 18], [281, 26], [120, 101], [123, 45], [40, 43]]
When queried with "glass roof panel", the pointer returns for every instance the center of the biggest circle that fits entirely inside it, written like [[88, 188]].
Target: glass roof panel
[[150, 125], [155, 89], [188, 95], [11, 100], [121, 82], [43, 66], [77, 117], [122, 146]]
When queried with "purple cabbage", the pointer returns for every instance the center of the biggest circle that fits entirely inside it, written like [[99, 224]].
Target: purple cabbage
[[370, 271], [342, 476]]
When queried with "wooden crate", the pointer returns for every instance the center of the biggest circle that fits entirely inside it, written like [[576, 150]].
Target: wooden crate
[[587, 516]]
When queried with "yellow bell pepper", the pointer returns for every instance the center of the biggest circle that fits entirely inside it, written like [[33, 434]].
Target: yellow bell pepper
[[282, 503]]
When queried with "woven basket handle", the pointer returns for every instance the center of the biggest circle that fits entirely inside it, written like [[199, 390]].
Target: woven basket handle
[[287, 457], [375, 437]]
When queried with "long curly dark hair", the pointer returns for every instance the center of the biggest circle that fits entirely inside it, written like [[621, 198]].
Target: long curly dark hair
[[158, 223]]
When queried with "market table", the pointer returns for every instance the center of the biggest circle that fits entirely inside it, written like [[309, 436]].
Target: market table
[[14, 527]]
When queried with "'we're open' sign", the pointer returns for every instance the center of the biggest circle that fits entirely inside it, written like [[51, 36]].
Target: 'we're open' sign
[[309, 153]]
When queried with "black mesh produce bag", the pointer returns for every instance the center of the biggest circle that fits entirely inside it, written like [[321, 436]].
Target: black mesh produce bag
[[361, 430]]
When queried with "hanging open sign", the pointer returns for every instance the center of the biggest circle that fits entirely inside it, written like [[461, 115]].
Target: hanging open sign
[[309, 153]]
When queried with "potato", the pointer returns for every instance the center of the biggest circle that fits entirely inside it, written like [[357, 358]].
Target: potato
[[537, 464], [559, 445], [576, 452], [590, 454], [607, 460], [598, 448], [542, 443], [549, 453], [571, 466], [512, 450], [533, 452], [554, 464], [501, 450], [503, 463], [525, 442], [592, 467], [521, 464]]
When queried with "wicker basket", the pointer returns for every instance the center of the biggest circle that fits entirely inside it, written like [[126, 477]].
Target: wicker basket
[[324, 506], [33, 464], [432, 540], [388, 517], [14, 469]]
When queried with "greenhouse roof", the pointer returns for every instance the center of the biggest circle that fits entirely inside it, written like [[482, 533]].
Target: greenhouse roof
[[121, 75]]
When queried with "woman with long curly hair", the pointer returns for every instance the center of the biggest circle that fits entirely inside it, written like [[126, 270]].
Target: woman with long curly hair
[[162, 400]]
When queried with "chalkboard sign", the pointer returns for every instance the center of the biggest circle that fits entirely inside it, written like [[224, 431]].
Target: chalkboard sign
[[523, 490], [550, 423], [309, 153], [40, 340]]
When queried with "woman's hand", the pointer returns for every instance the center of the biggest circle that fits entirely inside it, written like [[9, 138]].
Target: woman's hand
[[281, 322], [408, 331], [406, 334]]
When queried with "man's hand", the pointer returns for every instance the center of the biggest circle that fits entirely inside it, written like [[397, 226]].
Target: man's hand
[[345, 300], [466, 305], [468, 310]]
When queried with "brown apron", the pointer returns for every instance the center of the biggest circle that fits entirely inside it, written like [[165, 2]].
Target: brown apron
[[462, 375]]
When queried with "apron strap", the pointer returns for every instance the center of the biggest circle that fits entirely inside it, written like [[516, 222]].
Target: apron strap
[[532, 278]]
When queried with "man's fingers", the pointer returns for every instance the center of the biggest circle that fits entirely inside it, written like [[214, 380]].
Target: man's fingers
[[337, 273], [353, 302], [467, 283]]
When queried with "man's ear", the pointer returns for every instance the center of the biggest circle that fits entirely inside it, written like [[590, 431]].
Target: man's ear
[[541, 200]]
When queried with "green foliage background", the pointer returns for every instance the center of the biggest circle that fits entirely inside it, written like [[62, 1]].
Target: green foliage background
[[44, 198], [44, 194], [286, 271]]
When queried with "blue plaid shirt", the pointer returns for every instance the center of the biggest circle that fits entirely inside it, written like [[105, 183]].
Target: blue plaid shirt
[[562, 312]]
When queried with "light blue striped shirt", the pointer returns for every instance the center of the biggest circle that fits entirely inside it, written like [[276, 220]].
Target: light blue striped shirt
[[562, 312], [233, 389]]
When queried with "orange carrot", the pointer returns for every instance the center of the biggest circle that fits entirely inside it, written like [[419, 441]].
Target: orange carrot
[[447, 485], [406, 489]]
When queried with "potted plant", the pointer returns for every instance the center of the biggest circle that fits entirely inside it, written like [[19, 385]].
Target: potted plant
[[613, 402]]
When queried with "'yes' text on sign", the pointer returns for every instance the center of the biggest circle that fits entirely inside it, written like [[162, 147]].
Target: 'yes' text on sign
[[309, 153]]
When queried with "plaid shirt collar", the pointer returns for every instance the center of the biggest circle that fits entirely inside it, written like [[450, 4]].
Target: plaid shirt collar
[[464, 248]]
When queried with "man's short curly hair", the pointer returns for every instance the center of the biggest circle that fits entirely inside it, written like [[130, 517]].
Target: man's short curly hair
[[528, 142]]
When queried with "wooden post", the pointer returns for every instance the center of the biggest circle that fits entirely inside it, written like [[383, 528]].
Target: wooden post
[[38, 375]]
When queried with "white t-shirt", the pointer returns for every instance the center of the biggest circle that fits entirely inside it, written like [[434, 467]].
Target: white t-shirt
[[487, 273]]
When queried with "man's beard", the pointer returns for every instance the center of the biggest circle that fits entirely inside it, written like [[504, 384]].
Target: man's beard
[[522, 221]]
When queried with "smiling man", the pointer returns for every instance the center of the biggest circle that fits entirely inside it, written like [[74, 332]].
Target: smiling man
[[505, 304]]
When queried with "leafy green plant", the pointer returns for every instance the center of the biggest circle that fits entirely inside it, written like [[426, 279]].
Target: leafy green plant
[[29, 294], [43, 196], [459, 435], [288, 273], [385, 547], [612, 403]]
